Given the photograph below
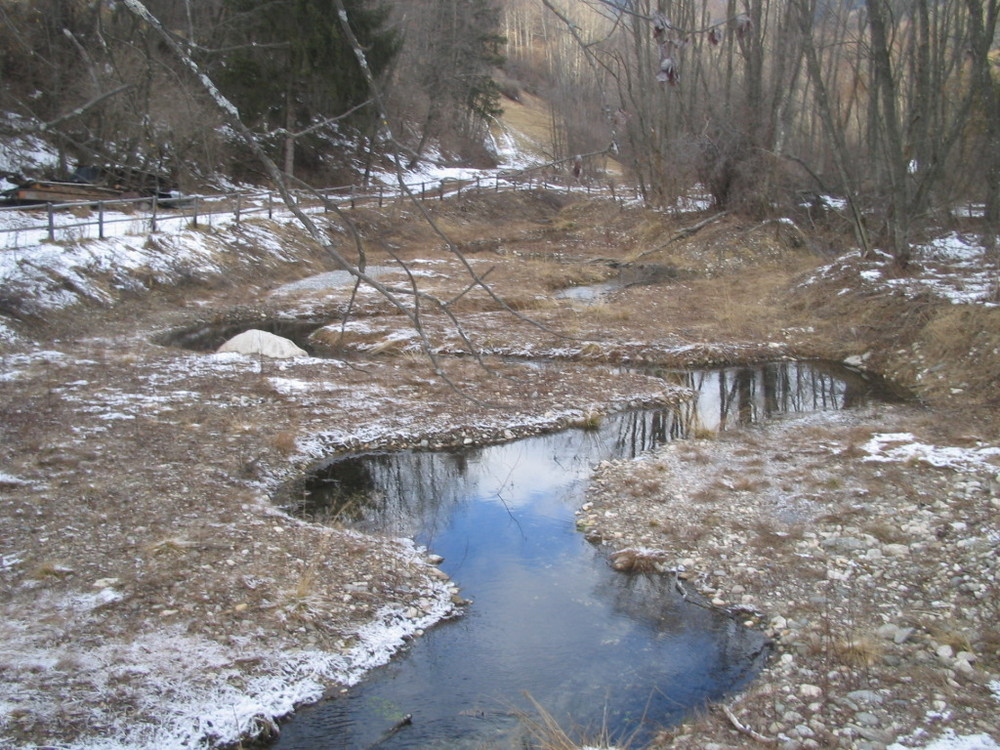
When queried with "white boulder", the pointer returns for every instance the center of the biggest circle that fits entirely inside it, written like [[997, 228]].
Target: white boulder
[[258, 342]]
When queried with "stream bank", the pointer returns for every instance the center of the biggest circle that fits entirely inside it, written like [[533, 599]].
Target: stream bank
[[147, 577]]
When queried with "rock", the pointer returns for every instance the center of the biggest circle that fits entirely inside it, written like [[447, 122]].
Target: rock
[[810, 691], [896, 550], [256, 342], [866, 719], [866, 696], [843, 544]]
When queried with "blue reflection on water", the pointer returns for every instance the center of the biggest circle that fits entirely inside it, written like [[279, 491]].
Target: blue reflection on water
[[597, 649]]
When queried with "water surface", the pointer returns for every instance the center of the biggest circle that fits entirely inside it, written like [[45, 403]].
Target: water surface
[[601, 651]]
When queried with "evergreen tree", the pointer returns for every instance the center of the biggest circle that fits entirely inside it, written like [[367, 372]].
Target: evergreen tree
[[290, 67]]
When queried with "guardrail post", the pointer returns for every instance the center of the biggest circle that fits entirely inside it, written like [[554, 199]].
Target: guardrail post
[[52, 224], [194, 214], [239, 205], [441, 190], [423, 191], [380, 196], [100, 220], [270, 207], [477, 186], [152, 218], [352, 196], [496, 184]]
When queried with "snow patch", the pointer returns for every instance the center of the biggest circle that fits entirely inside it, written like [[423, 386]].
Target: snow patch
[[903, 446], [951, 741]]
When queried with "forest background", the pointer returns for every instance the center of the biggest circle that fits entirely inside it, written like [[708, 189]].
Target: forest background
[[891, 105]]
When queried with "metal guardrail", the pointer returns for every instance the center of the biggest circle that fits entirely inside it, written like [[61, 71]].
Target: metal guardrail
[[198, 209]]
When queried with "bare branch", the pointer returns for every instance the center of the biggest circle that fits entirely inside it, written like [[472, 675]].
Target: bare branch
[[49, 126]]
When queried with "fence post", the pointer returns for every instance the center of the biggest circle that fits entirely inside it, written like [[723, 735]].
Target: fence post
[[194, 213], [477, 186], [423, 190], [441, 190], [380, 196], [270, 206], [100, 220], [152, 218], [352, 196], [239, 205], [52, 224]]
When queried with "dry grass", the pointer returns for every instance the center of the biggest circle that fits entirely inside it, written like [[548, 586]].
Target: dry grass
[[639, 561], [50, 569], [285, 442], [547, 734], [604, 312], [175, 545], [591, 421], [859, 649], [771, 537], [885, 532], [950, 633]]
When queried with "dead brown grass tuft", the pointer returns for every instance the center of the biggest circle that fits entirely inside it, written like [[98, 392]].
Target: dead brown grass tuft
[[50, 569], [859, 649], [771, 537], [639, 561], [285, 442], [951, 633], [168, 545], [965, 340]]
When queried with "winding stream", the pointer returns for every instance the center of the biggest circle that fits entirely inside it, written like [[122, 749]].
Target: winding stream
[[603, 652]]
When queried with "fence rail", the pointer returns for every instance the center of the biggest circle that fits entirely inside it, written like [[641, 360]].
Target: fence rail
[[100, 219]]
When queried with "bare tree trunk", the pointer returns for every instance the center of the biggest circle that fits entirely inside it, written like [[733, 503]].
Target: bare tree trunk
[[982, 32], [898, 218], [834, 133]]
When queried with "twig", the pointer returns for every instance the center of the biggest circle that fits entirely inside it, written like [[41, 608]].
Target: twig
[[686, 232], [741, 727], [393, 730]]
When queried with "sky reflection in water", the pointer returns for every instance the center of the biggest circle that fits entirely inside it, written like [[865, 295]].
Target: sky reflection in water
[[597, 649]]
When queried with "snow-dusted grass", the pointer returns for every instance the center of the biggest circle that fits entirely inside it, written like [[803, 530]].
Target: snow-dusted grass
[[953, 267], [191, 684]]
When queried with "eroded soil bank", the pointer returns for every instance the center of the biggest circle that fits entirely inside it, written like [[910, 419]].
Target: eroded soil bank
[[152, 587]]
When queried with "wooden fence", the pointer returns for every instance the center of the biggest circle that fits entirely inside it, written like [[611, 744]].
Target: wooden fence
[[100, 219]]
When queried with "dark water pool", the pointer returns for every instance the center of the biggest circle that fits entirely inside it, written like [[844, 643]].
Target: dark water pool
[[601, 651]]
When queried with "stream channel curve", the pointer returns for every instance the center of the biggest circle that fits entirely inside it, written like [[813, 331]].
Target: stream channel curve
[[607, 654]]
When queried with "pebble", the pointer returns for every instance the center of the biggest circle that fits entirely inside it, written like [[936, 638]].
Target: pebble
[[810, 691], [866, 696]]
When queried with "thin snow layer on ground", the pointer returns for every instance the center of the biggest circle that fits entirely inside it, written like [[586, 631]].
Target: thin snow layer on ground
[[954, 267], [190, 684], [951, 741], [904, 447], [55, 276], [26, 153]]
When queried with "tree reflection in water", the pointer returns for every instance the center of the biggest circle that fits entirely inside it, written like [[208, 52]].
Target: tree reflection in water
[[550, 616]]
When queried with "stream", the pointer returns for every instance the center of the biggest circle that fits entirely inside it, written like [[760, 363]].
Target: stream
[[606, 654]]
